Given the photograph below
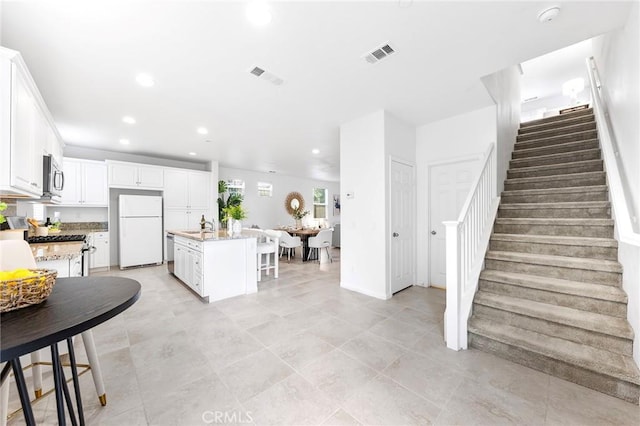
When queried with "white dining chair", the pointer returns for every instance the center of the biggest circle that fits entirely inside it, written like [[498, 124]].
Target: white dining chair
[[287, 242], [15, 254], [320, 241]]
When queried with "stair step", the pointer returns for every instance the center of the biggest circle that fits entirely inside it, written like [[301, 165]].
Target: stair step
[[557, 140], [595, 271], [554, 245], [544, 160], [557, 181], [614, 374], [520, 152], [602, 299], [601, 331], [554, 131], [557, 169], [558, 118], [551, 195], [598, 228], [585, 118]]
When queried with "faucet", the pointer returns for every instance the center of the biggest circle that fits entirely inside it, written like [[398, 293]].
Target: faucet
[[208, 223]]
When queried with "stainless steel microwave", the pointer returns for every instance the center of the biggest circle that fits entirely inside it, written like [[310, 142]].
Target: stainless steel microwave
[[52, 179]]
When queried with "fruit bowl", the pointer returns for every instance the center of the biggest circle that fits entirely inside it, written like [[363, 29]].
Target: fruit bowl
[[24, 287]]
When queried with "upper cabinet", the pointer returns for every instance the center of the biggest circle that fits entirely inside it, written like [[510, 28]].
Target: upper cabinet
[[132, 175], [186, 189], [27, 131], [85, 183]]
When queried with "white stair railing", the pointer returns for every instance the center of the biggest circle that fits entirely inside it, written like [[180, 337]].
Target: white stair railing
[[619, 205], [466, 243]]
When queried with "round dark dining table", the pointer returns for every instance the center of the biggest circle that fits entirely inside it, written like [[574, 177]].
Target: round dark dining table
[[74, 306]]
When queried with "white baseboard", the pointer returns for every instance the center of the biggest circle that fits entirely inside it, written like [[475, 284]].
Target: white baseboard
[[366, 292]]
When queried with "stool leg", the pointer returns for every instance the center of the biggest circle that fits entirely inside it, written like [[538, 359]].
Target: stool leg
[[96, 371], [4, 402], [268, 262], [276, 264], [259, 267], [37, 373]]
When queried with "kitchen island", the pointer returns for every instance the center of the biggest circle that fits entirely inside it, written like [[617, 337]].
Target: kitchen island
[[215, 267], [66, 257]]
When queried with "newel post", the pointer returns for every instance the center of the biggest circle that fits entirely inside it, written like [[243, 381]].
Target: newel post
[[452, 312]]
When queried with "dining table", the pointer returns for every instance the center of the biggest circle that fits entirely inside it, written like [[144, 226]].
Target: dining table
[[74, 306], [304, 234]]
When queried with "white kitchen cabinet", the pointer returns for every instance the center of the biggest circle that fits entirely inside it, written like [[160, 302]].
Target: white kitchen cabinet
[[100, 257], [133, 175], [187, 189], [184, 220], [65, 267], [27, 131], [188, 263], [85, 183]]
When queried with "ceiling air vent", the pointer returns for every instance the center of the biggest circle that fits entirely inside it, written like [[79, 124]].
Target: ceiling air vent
[[378, 54], [266, 75]]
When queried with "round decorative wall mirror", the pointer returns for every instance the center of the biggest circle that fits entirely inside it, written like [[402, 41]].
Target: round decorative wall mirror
[[294, 201]]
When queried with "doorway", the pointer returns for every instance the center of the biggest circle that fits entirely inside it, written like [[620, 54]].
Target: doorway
[[449, 186], [402, 225]]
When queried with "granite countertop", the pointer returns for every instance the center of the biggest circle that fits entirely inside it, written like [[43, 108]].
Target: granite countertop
[[56, 251], [207, 236]]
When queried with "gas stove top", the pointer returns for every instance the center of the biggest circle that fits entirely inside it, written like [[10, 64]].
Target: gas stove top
[[56, 239]]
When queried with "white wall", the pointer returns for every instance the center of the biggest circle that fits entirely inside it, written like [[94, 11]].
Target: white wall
[[504, 87], [367, 145], [460, 136], [551, 105], [617, 57], [362, 173], [269, 212]]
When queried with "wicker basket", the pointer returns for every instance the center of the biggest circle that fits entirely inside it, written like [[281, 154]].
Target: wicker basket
[[22, 292]]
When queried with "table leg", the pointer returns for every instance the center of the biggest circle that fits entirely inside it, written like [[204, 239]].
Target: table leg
[[23, 392], [57, 383], [76, 381]]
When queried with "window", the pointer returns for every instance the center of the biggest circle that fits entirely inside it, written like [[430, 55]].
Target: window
[[235, 186], [265, 189], [319, 203]]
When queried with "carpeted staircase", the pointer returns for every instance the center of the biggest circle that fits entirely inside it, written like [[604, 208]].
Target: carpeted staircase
[[550, 296]]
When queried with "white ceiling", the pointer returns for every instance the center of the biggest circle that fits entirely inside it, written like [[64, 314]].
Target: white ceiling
[[543, 76], [84, 56]]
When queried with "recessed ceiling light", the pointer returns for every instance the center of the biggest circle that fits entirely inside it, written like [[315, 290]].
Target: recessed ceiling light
[[145, 80], [315, 151], [202, 130], [128, 119], [192, 153], [124, 141], [258, 13]]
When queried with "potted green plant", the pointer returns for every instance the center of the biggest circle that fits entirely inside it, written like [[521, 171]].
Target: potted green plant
[[233, 199], [236, 213], [3, 207]]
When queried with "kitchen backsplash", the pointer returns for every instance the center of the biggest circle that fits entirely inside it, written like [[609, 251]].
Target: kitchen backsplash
[[93, 226]]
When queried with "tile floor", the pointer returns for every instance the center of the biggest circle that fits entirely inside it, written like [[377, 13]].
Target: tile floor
[[303, 351]]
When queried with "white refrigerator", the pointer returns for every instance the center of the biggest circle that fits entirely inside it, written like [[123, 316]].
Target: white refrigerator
[[140, 230]]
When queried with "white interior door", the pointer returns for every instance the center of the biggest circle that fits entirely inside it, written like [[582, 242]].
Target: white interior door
[[449, 186], [402, 225]]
